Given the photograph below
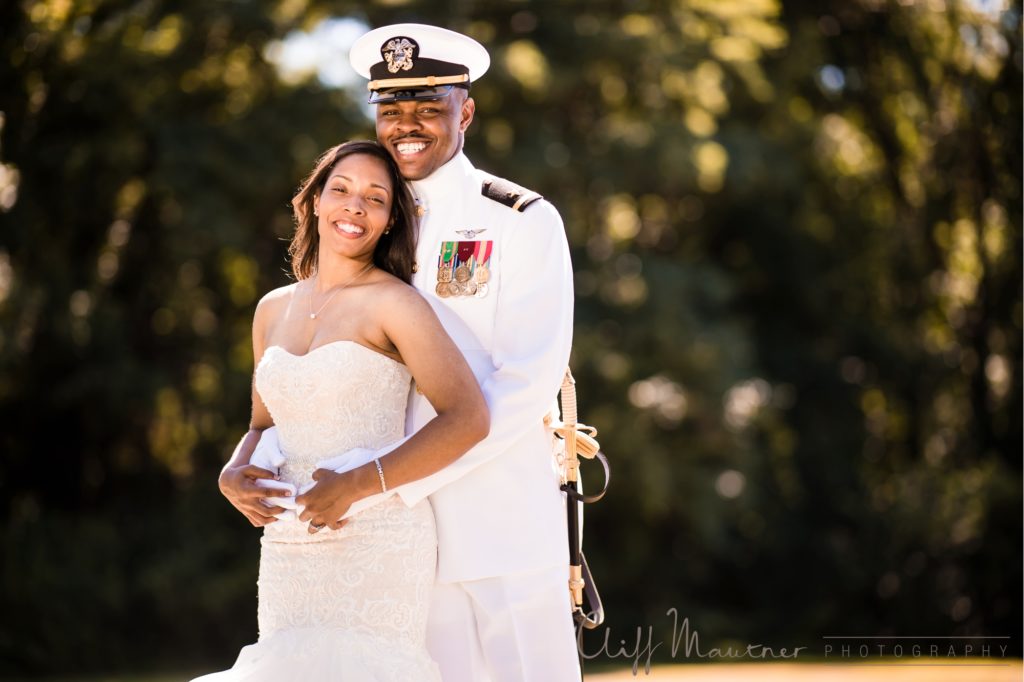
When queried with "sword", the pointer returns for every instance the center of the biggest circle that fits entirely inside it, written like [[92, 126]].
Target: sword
[[579, 442]]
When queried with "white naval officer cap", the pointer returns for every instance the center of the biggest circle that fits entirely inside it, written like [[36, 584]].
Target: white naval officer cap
[[416, 61]]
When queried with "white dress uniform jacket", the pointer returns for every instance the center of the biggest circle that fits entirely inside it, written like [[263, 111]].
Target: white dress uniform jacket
[[498, 508]]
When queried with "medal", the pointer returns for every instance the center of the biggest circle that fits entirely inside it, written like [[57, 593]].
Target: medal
[[464, 260], [463, 268], [444, 265], [481, 271]]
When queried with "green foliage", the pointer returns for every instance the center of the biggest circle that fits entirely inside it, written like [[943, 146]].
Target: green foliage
[[796, 232]]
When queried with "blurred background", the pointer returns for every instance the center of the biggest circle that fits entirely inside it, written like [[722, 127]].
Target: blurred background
[[796, 229]]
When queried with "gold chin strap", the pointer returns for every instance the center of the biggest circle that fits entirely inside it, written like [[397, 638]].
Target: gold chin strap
[[424, 81]]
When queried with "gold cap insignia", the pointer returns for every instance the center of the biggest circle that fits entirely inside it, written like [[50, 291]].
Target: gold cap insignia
[[399, 53]]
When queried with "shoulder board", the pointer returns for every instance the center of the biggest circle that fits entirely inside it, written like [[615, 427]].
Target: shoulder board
[[508, 193]]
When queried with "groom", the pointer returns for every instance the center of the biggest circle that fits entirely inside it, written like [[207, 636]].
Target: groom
[[493, 261]]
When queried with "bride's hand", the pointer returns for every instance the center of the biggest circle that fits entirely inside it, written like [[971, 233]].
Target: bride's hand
[[238, 484], [328, 500]]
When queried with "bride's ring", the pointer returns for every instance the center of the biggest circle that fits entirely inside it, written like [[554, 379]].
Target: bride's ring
[[316, 526]]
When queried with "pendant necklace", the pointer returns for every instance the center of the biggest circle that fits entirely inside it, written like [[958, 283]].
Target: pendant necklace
[[313, 315]]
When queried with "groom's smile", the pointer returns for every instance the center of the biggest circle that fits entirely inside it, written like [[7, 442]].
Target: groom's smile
[[406, 149]]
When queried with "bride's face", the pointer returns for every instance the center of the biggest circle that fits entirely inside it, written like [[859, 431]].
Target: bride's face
[[354, 206]]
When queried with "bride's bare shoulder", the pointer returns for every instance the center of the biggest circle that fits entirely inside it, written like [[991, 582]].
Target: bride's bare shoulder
[[280, 295], [396, 295], [274, 303]]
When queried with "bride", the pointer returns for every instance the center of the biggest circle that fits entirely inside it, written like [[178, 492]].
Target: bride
[[346, 599]]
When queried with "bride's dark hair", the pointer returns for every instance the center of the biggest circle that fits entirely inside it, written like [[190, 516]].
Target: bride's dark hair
[[396, 250]]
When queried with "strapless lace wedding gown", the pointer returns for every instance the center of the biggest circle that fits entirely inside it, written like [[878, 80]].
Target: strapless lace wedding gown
[[347, 605]]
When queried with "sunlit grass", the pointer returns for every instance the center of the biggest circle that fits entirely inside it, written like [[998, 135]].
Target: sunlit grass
[[884, 670]]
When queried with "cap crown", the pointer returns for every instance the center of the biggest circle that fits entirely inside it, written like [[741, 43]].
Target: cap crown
[[417, 55]]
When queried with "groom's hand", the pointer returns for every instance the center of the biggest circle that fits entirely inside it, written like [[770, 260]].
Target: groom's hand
[[328, 500], [238, 484]]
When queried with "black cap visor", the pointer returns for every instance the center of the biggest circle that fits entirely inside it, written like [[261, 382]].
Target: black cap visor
[[385, 95]]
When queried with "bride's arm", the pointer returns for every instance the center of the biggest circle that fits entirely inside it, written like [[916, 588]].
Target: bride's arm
[[446, 380], [441, 373], [237, 481]]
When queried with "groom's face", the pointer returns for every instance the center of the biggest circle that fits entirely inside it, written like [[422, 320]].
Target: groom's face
[[424, 135]]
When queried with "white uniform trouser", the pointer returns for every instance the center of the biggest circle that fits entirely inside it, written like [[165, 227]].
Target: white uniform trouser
[[514, 628]]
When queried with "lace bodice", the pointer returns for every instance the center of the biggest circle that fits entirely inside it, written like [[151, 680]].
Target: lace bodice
[[339, 396]]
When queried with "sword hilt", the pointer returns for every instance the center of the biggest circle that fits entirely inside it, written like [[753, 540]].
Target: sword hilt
[[580, 439]]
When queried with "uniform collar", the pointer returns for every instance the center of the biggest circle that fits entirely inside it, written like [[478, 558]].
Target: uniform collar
[[446, 181]]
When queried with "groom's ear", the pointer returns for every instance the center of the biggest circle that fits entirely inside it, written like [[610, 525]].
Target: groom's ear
[[466, 114]]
